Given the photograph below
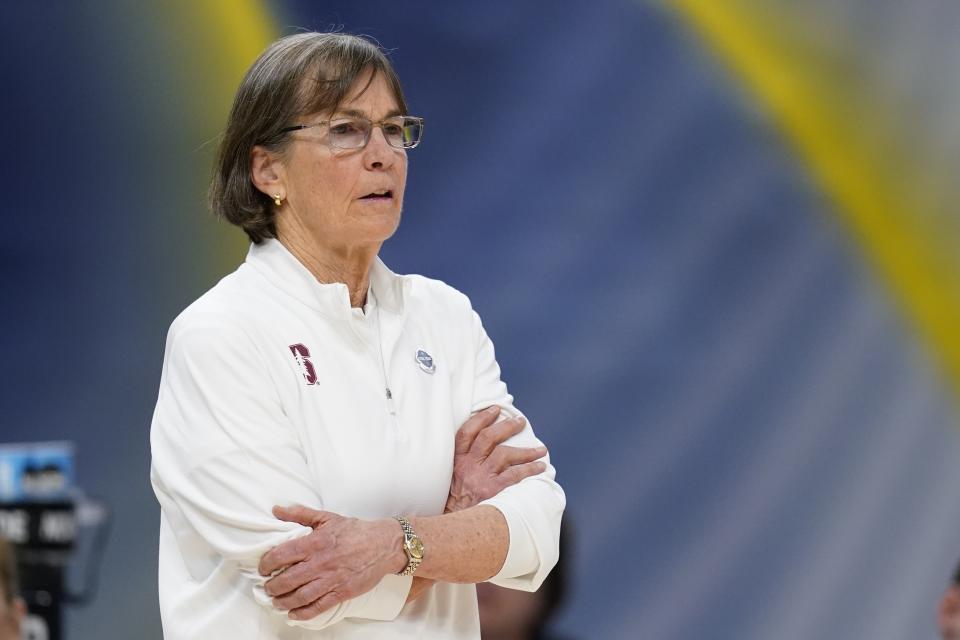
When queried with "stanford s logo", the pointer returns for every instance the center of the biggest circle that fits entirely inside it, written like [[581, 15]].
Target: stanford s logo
[[302, 355]]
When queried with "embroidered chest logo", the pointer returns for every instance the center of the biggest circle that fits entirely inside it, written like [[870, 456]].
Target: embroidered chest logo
[[302, 356], [425, 360]]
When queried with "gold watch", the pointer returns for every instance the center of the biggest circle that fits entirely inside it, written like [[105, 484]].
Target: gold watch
[[412, 546]]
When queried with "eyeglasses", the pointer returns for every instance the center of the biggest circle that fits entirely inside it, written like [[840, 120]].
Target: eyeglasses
[[400, 132]]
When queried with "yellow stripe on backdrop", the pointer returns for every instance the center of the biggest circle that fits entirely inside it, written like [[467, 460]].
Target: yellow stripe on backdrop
[[219, 39], [864, 151]]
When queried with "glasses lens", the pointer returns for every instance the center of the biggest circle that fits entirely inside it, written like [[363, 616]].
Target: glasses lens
[[348, 133], [403, 132]]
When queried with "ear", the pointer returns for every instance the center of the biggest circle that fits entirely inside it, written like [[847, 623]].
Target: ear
[[267, 172]]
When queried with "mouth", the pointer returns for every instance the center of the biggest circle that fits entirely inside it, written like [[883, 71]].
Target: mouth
[[381, 194]]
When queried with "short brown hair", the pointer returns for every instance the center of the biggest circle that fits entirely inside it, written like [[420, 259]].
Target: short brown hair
[[297, 75]]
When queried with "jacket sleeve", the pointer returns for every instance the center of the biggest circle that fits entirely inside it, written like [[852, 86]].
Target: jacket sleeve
[[224, 453], [533, 507]]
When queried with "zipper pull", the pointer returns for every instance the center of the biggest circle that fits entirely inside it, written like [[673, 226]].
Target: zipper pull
[[391, 409], [394, 420]]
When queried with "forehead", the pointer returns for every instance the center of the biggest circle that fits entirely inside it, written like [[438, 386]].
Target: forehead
[[371, 96]]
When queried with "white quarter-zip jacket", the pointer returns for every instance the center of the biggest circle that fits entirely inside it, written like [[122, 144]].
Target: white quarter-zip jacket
[[274, 392]]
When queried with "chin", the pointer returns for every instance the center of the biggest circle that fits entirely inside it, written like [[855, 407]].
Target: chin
[[375, 225], [385, 228], [374, 236]]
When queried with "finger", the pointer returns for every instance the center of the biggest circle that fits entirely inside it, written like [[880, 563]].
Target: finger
[[476, 423], [302, 597], [496, 434], [284, 555], [302, 515], [506, 456], [331, 599], [292, 578], [518, 472]]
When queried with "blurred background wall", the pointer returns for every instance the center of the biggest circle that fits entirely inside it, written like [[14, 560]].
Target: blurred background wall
[[714, 243]]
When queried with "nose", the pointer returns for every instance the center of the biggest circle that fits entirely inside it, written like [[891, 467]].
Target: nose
[[378, 154]]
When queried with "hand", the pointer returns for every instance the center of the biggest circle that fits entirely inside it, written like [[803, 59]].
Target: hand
[[482, 465], [341, 559]]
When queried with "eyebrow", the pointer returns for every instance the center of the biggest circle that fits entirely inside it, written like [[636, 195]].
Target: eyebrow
[[356, 113]]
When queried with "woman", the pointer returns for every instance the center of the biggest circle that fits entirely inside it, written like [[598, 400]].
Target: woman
[[306, 430]]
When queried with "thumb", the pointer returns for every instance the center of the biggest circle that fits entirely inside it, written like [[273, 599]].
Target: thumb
[[301, 515], [476, 423]]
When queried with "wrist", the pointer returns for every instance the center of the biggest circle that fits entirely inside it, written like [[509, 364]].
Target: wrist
[[413, 546], [396, 558], [458, 501]]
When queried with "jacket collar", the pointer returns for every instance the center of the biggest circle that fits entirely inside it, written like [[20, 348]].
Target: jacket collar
[[272, 260]]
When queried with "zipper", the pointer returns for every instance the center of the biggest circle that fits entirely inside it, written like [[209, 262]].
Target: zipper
[[388, 394]]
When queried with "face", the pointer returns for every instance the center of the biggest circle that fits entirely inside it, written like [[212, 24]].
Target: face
[[949, 614], [343, 199]]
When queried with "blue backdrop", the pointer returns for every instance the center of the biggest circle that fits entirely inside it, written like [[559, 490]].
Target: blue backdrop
[[752, 443]]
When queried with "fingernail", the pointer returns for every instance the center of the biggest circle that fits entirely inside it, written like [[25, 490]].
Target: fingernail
[[542, 466], [541, 449], [493, 409]]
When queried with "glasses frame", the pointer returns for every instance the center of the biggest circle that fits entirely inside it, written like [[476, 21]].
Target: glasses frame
[[366, 140]]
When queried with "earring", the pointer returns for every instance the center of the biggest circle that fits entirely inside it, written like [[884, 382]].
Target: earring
[[277, 200]]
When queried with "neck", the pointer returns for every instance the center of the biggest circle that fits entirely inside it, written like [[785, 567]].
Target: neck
[[349, 265]]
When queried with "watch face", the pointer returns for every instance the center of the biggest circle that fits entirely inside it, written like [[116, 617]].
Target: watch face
[[416, 548]]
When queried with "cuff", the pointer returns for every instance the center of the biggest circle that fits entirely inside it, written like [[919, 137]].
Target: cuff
[[384, 601], [522, 557]]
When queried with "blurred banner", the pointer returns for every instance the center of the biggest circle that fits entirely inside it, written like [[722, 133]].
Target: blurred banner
[[713, 242], [868, 93], [37, 515]]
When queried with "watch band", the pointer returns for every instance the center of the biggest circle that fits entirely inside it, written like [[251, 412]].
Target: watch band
[[412, 546]]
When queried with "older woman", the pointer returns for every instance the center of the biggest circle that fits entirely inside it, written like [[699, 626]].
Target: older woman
[[328, 443]]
